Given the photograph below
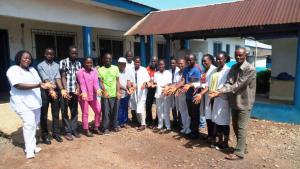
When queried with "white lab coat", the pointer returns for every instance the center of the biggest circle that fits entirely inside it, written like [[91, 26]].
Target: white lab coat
[[220, 113], [139, 96]]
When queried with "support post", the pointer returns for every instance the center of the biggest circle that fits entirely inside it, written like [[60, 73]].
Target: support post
[[297, 75], [168, 51], [143, 51], [151, 44], [87, 34]]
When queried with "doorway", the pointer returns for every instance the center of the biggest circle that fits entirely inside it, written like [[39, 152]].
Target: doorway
[[4, 62]]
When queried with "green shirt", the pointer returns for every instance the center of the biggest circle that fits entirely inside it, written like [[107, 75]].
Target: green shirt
[[109, 79]]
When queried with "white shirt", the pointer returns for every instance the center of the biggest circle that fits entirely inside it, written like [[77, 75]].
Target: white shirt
[[161, 79], [125, 76], [139, 96], [173, 76], [208, 74], [24, 100]]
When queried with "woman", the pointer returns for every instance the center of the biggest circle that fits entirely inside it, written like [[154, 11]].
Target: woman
[[89, 89], [25, 98], [220, 107], [208, 63]]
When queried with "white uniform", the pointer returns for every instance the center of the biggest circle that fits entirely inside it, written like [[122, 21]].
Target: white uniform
[[221, 110], [181, 106], [139, 96], [173, 105], [163, 103], [26, 103], [205, 109]]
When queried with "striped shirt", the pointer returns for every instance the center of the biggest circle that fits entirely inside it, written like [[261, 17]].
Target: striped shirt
[[70, 69]]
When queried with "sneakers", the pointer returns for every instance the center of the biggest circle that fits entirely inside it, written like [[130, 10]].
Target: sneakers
[[88, 133], [69, 137], [182, 131], [187, 131], [30, 155], [37, 149]]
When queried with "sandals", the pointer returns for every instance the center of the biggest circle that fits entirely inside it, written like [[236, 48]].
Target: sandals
[[233, 157]]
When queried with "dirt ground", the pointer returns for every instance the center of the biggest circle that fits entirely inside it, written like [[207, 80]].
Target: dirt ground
[[271, 145]]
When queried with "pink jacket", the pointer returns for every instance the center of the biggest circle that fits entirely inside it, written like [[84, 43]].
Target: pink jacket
[[88, 82]]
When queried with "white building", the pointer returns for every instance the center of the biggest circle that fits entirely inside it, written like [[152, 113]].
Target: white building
[[93, 26]]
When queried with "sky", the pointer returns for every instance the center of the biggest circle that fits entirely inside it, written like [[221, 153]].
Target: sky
[[175, 4]]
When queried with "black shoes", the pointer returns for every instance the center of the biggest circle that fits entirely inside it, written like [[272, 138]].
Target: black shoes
[[57, 138], [76, 134], [46, 140], [69, 137], [88, 133]]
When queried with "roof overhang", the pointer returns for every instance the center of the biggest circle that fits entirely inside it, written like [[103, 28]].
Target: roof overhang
[[261, 19]]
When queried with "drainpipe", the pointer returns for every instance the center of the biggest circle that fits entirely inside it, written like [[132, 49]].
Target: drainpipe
[[87, 41]]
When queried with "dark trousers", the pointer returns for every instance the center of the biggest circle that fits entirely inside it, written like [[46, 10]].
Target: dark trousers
[[149, 102], [110, 107], [194, 112], [240, 120], [70, 124], [55, 105], [211, 129], [123, 110]]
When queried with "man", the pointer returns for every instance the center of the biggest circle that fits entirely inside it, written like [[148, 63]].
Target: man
[[109, 81], [125, 79], [130, 67], [162, 79], [49, 72], [176, 114], [240, 86], [151, 69], [192, 74], [129, 58], [141, 77], [68, 69]]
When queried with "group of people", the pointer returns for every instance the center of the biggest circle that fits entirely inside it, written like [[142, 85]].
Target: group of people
[[216, 93]]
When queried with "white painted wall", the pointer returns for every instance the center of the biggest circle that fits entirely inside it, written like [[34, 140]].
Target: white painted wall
[[68, 12], [284, 52], [231, 41]]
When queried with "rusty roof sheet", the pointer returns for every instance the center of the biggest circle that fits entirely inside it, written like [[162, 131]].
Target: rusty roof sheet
[[247, 13]]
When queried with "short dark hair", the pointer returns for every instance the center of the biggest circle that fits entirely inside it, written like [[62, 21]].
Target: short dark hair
[[210, 57], [227, 57], [136, 57], [172, 58], [19, 55], [72, 47]]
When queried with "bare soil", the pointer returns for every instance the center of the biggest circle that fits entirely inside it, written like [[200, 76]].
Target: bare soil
[[271, 145]]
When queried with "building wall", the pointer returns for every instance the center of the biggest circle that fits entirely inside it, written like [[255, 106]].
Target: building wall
[[231, 41], [68, 12], [284, 54]]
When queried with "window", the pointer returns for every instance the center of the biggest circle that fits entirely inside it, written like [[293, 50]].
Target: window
[[228, 49], [59, 41], [217, 48], [115, 47], [161, 50], [237, 46]]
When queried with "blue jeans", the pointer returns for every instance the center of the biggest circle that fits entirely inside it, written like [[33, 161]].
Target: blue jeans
[[202, 123], [123, 111]]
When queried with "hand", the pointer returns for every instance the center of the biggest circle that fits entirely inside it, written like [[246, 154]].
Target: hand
[[214, 94], [144, 86], [65, 94], [186, 87], [84, 96], [131, 90], [119, 95], [53, 94], [197, 98], [99, 92], [77, 91], [178, 92], [105, 94]]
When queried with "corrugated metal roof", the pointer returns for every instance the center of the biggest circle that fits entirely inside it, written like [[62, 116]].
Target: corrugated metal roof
[[240, 14]]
